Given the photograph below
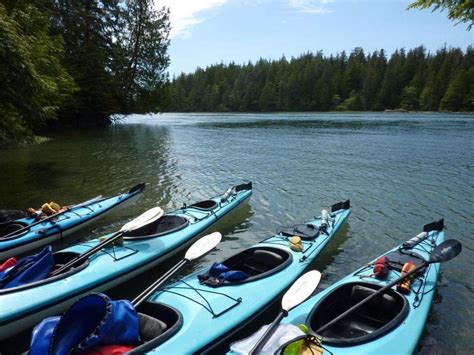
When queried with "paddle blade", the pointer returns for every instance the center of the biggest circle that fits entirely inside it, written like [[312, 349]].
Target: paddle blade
[[301, 290], [145, 218], [445, 251], [203, 245]]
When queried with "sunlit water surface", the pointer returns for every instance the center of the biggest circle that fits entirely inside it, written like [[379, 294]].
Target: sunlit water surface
[[399, 170]]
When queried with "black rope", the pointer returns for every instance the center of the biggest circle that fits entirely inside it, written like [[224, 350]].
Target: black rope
[[207, 306]]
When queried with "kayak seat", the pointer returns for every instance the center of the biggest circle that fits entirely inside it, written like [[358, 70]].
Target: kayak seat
[[157, 323], [150, 327], [206, 205], [259, 262], [162, 226], [372, 320], [248, 265]]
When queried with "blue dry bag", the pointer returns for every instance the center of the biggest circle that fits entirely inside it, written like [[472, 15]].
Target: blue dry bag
[[29, 269], [92, 321]]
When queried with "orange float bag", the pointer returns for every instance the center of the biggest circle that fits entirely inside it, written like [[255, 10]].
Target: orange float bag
[[404, 285]]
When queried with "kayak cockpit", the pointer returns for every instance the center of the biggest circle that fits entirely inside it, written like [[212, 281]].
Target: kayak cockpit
[[206, 205], [7, 228], [162, 226], [157, 323], [249, 265], [59, 259], [377, 317], [259, 262], [96, 324]]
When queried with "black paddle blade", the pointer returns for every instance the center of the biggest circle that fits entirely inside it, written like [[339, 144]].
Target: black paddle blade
[[445, 251], [434, 226]]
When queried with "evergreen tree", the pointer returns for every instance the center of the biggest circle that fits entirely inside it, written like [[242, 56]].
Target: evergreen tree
[[34, 84], [116, 52], [80, 61], [410, 80]]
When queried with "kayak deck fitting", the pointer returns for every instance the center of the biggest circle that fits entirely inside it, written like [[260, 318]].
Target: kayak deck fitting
[[62, 225], [388, 324], [203, 315], [24, 306]]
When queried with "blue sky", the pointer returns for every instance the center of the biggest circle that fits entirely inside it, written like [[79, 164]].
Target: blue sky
[[210, 31]]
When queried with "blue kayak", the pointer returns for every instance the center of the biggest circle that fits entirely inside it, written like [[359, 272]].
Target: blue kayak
[[202, 309], [25, 234], [388, 324], [24, 306]]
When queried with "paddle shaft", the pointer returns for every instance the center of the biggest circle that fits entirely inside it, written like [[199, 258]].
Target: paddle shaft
[[268, 333], [153, 287], [365, 300], [88, 253], [24, 229]]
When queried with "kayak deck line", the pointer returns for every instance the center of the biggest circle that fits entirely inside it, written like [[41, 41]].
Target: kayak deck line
[[207, 305]]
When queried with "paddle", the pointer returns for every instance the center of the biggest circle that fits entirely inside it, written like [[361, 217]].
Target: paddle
[[199, 248], [298, 293], [145, 218], [443, 252], [26, 228]]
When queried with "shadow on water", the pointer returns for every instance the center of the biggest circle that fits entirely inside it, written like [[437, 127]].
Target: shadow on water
[[76, 165]]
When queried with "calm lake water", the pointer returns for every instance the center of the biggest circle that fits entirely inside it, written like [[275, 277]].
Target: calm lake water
[[400, 171]]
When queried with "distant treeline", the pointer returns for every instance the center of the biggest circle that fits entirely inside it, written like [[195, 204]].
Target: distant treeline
[[77, 62], [409, 80]]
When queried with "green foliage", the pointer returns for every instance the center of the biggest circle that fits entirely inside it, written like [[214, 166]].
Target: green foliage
[[411, 80], [409, 98], [458, 10], [354, 102], [79, 61], [34, 83], [117, 53]]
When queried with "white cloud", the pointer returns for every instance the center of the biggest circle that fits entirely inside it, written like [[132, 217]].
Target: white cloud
[[185, 14], [311, 6]]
